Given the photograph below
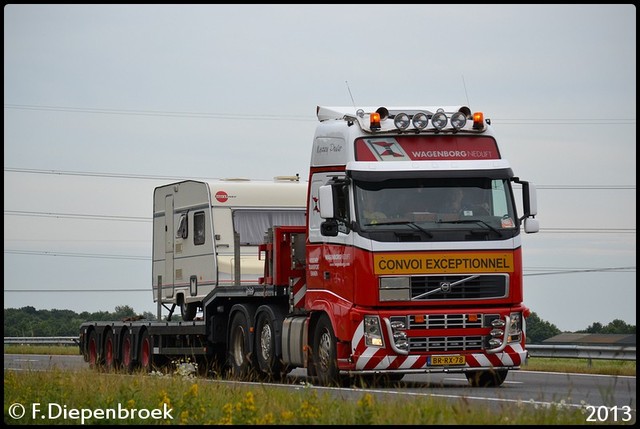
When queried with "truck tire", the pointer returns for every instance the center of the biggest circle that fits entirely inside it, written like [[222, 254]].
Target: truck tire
[[324, 353], [127, 350], [145, 355], [269, 364], [488, 378], [110, 360], [93, 351], [239, 346]]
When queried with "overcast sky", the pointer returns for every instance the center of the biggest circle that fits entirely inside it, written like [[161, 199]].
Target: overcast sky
[[104, 103]]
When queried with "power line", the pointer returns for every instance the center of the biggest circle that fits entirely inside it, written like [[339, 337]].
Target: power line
[[145, 219], [585, 187], [572, 271], [589, 230], [206, 115], [586, 270], [564, 121], [155, 177], [548, 270], [78, 290], [77, 216], [77, 240], [98, 174], [75, 255], [280, 117]]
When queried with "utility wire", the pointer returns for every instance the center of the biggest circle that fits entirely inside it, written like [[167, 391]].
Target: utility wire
[[280, 117], [589, 270], [145, 219], [155, 177], [75, 255], [235, 116], [77, 216], [98, 174], [548, 270]]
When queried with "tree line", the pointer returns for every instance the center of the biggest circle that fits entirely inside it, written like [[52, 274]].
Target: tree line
[[29, 322]]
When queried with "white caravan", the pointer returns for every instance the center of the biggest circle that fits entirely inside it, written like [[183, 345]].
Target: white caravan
[[206, 234]]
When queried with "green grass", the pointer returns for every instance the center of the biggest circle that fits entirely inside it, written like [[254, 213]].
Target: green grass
[[79, 397], [582, 366], [38, 349]]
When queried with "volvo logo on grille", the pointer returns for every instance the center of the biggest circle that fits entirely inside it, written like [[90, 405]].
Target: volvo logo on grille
[[445, 287]]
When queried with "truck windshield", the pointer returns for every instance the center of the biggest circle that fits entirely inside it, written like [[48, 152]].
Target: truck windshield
[[435, 209]]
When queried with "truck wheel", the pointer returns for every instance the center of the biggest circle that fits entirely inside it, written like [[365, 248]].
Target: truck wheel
[[93, 350], [127, 359], [324, 353], [239, 346], [268, 363], [488, 378], [145, 356], [110, 360]]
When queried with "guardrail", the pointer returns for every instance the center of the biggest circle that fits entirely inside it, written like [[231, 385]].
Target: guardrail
[[43, 340], [535, 350], [582, 352]]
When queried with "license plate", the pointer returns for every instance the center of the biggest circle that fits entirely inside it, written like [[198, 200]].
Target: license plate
[[446, 360]]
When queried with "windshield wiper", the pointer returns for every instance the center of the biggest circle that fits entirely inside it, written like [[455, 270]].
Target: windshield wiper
[[477, 221], [404, 222]]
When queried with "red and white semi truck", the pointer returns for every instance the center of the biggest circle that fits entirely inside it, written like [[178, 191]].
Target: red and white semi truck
[[409, 260]]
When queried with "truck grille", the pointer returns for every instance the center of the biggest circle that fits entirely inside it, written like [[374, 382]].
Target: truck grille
[[443, 321], [445, 344], [481, 287], [439, 322]]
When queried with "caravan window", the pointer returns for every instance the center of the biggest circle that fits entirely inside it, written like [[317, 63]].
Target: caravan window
[[183, 227], [252, 225], [198, 228]]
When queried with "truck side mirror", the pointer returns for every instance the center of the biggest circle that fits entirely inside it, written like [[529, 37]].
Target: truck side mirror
[[529, 205], [530, 199], [531, 225], [329, 228], [325, 195]]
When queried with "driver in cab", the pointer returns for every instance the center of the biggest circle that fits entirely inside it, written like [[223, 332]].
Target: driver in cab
[[370, 210]]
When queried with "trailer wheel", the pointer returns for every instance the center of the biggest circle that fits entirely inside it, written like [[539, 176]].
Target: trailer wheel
[[145, 356], [268, 363], [239, 346], [93, 350], [488, 378], [324, 353], [110, 360], [127, 359]]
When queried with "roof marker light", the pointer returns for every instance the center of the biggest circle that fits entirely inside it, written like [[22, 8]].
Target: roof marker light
[[374, 121], [401, 121], [420, 120]]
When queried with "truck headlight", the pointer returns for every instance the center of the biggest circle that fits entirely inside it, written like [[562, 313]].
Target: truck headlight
[[515, 327], [373, 331]]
